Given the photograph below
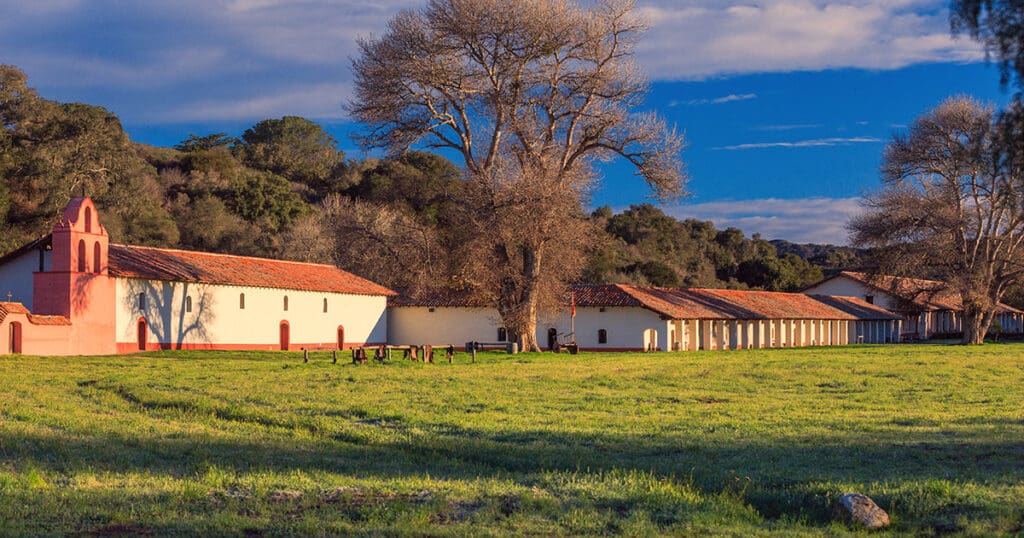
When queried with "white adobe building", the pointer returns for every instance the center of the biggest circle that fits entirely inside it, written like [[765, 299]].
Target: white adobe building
[[72, 292], [928, 307], [634, 318]]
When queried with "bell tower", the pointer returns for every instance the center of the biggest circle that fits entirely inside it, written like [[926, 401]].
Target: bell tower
[[78, 285]]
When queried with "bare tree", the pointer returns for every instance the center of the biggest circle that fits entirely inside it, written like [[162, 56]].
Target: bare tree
[[521, 90], [952, 208], [377, 241]]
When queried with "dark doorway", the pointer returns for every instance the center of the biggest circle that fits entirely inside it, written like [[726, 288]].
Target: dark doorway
[[15, 337], [552, 338], [142, 335], [341, 337], [285, 336]]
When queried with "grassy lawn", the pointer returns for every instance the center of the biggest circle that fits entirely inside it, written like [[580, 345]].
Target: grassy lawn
[[730, 443]]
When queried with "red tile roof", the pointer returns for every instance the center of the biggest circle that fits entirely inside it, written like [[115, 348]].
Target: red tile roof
[[695, 303], [203, 267], [744, 304], [926, 294], [18, 308]]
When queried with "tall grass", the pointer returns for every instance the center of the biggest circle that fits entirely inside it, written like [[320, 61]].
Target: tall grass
[[733, 443]]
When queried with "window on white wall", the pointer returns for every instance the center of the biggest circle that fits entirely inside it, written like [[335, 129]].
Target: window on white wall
[[325, 304], [188, 304], [285, 303], [142, 301], [241, 301], [602, 336], [502, 334]]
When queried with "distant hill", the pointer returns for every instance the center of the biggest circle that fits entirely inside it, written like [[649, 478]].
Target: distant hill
[[830, 258]]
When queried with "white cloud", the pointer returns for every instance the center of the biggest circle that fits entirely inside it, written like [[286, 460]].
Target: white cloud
[[786, 127], [322, 101], [708, 38], [187, 51], [733, 97], [813, 143], [804, 220]]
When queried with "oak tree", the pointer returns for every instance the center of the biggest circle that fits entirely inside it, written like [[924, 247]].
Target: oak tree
[[951, 209], [528, 94]]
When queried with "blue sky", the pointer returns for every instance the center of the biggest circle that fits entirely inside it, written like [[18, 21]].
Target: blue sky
[[786, 104]]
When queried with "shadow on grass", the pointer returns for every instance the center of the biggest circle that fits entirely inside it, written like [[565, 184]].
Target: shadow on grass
[[796, 480]]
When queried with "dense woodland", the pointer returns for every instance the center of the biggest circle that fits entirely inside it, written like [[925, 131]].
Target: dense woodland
[[283, 189]]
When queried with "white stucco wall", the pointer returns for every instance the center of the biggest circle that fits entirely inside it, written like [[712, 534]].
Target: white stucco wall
[[16, 276], [457, 325], [216, 318], [625, 327], [417, 325], [846, 287]]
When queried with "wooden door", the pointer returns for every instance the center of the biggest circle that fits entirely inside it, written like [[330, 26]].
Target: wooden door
[[142, 334], [15, 337], [285, 336]]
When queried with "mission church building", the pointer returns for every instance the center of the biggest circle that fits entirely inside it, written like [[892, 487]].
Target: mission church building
[[73, 292]]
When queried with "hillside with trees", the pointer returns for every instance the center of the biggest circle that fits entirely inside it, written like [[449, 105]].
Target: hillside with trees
[[284, 189]]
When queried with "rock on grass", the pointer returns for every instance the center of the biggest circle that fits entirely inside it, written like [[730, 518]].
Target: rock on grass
[[859, 510]]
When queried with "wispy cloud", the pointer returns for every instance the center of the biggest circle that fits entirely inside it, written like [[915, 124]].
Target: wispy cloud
[[795, 35], [803, 220], [731, 98], [786, 127], [813, 143]]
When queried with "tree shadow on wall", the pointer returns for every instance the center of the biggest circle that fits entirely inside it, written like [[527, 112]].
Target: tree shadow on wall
[[175, 314]]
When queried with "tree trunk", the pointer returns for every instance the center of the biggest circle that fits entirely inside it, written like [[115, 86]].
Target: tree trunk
[[976, 324], [531, 283], [519, 296]]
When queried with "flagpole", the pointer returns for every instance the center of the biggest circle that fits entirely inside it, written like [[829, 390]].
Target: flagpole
[[572, 319]]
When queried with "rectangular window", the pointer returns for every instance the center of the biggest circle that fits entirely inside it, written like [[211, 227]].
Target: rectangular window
[[602, 336]]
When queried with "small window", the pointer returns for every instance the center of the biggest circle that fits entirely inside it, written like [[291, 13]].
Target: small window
[[325, 304], [870, 299], [241, 301], [602, 336], [88, 220], [142, 301], [81, 255], [285, 303], [502, 334], [188, 304]]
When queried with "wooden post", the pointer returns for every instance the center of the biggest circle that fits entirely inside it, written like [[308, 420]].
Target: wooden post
[[450, 354], [428, 354], [305, 355], [474, 354], [334, 357]]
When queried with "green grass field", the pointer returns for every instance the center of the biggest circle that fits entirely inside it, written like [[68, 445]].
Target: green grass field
[[729, 443]]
